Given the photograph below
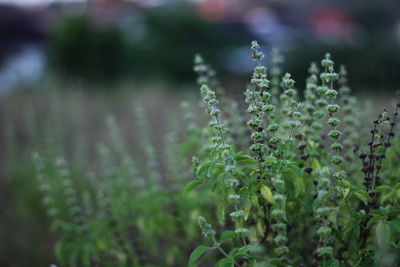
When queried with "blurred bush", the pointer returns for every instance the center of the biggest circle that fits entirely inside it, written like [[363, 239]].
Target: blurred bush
[[161, 42], [373, 65], [81, 49]]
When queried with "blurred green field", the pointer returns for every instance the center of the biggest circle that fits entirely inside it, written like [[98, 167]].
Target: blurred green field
[[72, 124]]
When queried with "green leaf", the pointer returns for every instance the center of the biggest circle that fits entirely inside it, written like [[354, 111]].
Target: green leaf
[[375, 219], [383, 188], [197, 253], [382, 232], [332, 217], [226, 262], [394, 226], [275, 261], [363, 196], [333, 263], [203, 168], [217, 170], [397, 190], [59, 251], [244, 159], [315, 164], [221, 213], [293, 175], [266, 193], [226, 235], [270, 160], [346, 192], [190, 186], [247, 209], [345, 184]]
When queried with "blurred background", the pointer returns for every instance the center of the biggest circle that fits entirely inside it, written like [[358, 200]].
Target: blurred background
[[106, 41], [60, 60]]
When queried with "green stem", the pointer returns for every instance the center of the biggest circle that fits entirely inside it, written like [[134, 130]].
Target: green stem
[[218, 245]]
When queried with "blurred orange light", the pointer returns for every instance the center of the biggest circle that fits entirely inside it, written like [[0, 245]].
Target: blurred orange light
[[330, 23], [212, 10]]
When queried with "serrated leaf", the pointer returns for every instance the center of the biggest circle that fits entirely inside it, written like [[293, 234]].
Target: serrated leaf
[[197, 253], [190, 186], [266, 193]]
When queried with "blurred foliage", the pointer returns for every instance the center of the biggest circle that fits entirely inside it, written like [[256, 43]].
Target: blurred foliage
[[173, 34], [80, 49], [100, 157], [172, 37], [374, 65]]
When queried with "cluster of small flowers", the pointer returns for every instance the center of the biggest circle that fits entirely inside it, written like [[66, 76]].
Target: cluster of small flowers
[[329, 77], [224, 150], [203, 70], [259, 108], [276, 73], [322, 210], [324, 187], [205, 227], [153, 162], [236, 121], [379, 142], [311, 125], [350, 121], [188, 116], [313, 106], [211, 102], [70, 194], [323, 93], [44, 186], [278, 214], [291, 108]]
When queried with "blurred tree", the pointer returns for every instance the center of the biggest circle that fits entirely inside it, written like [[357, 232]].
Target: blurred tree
[[172, 36], [372, 65], [80, 49]]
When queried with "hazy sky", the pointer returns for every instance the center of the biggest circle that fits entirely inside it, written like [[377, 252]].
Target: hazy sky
[[34, 2]]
